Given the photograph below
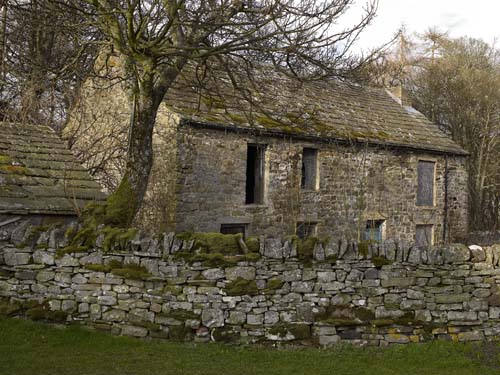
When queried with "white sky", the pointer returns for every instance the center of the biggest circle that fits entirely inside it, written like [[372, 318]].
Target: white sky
[[474, 18]]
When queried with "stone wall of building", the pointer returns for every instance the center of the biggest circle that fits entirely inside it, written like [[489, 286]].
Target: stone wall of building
[[356, 183], [384, 294]]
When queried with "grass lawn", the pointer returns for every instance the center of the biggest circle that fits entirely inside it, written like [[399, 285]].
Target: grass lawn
[[35, 348]]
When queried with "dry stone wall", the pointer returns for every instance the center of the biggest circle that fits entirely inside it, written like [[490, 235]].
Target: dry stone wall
[[384, 294]]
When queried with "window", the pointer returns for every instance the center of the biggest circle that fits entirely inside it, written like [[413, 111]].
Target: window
[[309, 169], [232, 229], [306, 229], [424, 236], [374, 230], [255, 174], [426, 182]]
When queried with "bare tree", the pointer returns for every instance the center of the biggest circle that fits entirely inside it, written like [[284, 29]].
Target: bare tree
[[158, 39], [45, 54]]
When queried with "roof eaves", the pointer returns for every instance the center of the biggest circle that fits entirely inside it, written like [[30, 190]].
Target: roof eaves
[[234, 128]]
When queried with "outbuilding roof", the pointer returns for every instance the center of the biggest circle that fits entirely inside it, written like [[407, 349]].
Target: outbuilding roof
[[328, 109], [39, 175]]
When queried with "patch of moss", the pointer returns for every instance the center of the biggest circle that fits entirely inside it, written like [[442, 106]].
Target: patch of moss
[[56, 316], [253, 244], [5, 159], [36, 313], [344, 322], [379, 261], [131, 271], [120, 206], [181, 315], [217, 259], [225, 335], [363, 314], [179, 333], [272, 285], [241, 287], [117, 238], [381, 322], [305, 249], [9, 309], [175, 290], [70, 250], [407, 319], [331, 259], [98, 267], [227, 244], [14, 169]]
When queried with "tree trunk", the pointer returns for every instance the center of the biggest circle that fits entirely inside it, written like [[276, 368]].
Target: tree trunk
[[124, 203]]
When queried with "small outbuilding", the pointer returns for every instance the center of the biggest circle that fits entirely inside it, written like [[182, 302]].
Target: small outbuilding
[[41, 182]]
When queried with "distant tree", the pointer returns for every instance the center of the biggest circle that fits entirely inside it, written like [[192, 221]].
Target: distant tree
[[158, 39], [457, 85], [45, 54]]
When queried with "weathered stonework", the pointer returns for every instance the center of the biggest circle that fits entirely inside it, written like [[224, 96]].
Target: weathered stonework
[[356, 183], [443, 293]]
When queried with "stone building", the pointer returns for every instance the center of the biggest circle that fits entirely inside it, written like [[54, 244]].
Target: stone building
[[281, 157], [41, 182]]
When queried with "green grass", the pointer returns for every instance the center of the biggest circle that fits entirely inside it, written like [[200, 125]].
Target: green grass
[[34, 348]]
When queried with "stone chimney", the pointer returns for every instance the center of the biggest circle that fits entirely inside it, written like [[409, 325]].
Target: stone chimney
[[400, 95]]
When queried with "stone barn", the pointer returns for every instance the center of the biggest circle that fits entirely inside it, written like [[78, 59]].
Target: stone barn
[[281, 157], [41, 182]]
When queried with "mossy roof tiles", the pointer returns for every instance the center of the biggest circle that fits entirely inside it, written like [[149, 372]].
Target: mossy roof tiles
[[326, 109], [39, 175]]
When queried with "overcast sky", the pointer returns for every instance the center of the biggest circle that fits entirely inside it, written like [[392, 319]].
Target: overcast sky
[[474, 18]]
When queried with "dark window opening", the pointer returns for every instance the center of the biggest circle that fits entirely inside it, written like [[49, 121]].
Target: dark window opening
[[309, 168], [306, 229], [425, 190], [232, 229], [255, 174], [374, 230], [424, 236]]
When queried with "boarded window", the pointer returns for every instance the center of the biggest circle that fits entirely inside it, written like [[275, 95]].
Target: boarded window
[[424, 236], [374, 230], [309, 168], [426, 180], [306, 229], [255, 174], [232, 229]]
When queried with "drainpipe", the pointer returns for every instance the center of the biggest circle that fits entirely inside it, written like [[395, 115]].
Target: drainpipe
[[445, 218]]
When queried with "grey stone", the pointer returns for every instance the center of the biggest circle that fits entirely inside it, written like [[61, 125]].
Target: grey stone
[[371, 273], [44, 276], [213, 274], [134, 331], [477, 254], [212, 318], [326, 276], [68, 305], [15, 258], [329, 340], [43, 257], [114, 315], [106, 300], [271, 317], [456, 253], [273, 248], [247, 273], [236, 317], [67, 261], [255, 319], [94, 258]]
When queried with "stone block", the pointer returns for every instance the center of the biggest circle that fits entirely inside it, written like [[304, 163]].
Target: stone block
[[247, 273], [456, 253], [212, 318], [135, 331], [43, 257]]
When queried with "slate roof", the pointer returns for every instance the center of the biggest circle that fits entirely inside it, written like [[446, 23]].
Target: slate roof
[[39, 175], [325, 109]]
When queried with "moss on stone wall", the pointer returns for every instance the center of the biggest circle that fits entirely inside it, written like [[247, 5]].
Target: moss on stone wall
[[241, 287]]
